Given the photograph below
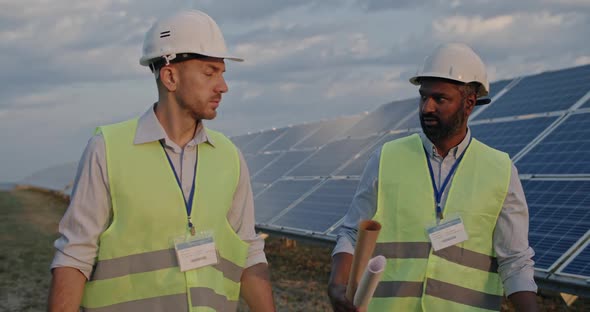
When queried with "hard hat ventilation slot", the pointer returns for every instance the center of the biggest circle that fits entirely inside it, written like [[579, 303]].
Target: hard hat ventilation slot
[[165, 34]]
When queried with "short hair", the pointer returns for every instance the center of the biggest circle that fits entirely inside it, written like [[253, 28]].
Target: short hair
[[158, 63], [469, 89]]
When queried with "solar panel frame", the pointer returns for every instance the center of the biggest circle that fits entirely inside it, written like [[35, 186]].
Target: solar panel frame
[[292, 136], [541, 93], [280, 195], [328, 159], [277, 169], [558, 217], [258, 161], [565, 150], [511, 136], [578, 265], [263, 139], [241, 141], [334, 196], [384, 118], [328, 131]]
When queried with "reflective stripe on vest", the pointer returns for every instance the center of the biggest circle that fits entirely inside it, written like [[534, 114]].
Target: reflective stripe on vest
[[136, 267], [458, 278], [200, 297], [151, 261]]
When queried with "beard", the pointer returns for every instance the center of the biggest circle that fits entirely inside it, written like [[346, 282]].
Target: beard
[[442, 129]]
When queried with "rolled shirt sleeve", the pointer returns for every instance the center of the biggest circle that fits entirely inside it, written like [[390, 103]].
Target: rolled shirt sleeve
[[511, 243], [88, 214], [363, 206]]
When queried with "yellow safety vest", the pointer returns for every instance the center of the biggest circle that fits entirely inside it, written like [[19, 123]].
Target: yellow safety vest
[[137, 269], [463, 277]]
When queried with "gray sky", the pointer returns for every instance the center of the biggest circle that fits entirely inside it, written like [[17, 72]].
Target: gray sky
[[68, 66]]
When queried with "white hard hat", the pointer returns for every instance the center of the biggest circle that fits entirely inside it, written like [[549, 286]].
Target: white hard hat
[[190, 32], [458, 62]]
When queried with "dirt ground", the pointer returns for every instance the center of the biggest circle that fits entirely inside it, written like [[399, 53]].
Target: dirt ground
[[28, 227]]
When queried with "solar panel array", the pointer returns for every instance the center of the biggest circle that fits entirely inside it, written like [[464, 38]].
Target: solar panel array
[[579, 265], [304, 176]]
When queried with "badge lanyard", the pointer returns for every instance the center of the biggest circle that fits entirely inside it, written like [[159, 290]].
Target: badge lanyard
[[188, 203], [438, 193]]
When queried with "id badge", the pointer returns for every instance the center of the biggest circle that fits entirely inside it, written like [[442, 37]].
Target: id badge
[[196, 251], [447, 234]]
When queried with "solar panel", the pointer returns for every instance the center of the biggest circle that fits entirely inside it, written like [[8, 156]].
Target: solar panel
[[322, 208], [356, 167], [511, 136], [559, 216], [586, 105], [580, 265], [292, 136], [257, 187], [262, 140], [279, 196], [497, 86], [546, 92], [330, 157], [258, 161], [383, 118], [242, 140], [566, 150], [329, 130], [283, 164]]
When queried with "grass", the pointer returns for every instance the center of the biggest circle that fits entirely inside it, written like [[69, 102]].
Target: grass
[[28, 227]]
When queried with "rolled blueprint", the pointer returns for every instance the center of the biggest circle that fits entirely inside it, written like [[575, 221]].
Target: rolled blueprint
[[365, 245], [369, 282]]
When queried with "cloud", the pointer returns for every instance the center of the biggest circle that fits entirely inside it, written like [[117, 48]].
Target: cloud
[[68, 66], [378, 5]]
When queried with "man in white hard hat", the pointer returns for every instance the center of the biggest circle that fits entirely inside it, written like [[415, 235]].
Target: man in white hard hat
[[453, 212], [161, 216]]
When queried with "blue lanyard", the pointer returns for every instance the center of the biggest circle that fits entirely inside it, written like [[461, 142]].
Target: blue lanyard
[[188, 203], [438, 193]]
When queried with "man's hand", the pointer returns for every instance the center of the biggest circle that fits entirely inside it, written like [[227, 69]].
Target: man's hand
[[341, 263], [337, 294]]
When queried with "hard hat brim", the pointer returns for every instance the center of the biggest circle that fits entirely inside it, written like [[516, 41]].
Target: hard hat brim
[[483, 101], [146, 61], [416, 81]]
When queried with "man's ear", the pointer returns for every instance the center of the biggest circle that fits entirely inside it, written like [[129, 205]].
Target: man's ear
[[469, 103], [169, 77]]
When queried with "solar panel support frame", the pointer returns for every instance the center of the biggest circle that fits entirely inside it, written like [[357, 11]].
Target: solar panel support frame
[[583, 243], [539, 138], [580, 102]]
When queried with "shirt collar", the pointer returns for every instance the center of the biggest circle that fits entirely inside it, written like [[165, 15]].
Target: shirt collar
[[149, 129], [454, 152]]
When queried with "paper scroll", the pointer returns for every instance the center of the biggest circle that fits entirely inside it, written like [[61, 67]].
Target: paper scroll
[[369, 282], [365, 245]]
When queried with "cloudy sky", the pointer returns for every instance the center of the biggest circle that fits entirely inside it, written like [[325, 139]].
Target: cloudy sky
[[67, 66]]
